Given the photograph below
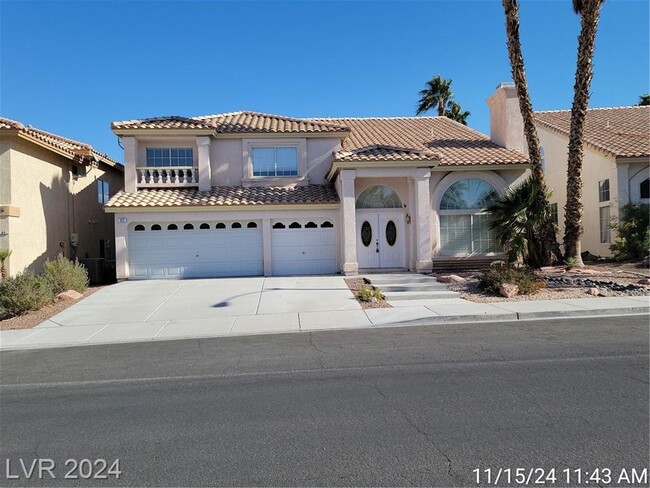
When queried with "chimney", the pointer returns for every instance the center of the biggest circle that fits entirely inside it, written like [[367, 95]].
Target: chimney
[[506, 124]]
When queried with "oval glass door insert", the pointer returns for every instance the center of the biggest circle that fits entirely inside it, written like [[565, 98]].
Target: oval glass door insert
[[391, 233], [366, 233]]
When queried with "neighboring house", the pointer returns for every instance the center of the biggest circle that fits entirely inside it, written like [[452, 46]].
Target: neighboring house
[[247, 193], [615, 168], [52, 193]]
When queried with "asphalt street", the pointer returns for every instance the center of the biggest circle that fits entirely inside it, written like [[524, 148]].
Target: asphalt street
[[412, 406]]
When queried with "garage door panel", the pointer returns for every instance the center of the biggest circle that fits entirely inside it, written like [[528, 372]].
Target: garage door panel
[[195, 253], [303, 251]]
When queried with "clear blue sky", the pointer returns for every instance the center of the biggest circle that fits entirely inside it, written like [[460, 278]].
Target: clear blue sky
[[72, 67]]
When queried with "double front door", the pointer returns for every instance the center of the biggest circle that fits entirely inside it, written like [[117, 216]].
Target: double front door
[[380, 240]]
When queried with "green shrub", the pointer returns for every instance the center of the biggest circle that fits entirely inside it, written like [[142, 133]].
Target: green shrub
[[367, 293], [22, 293], [492, 278], [64, 275], [633, 229]]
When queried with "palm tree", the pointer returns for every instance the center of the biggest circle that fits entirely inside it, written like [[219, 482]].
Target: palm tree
[[644, 99], [589, 12], [455, 112], [551, 250], [436, 94], [516, 221]]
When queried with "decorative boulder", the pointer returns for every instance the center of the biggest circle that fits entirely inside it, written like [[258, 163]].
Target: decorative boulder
[[450, 279], [508, 290], [69, 295], [593, 291], [644, 281]]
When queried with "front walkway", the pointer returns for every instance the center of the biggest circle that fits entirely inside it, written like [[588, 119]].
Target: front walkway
[[163, 310]]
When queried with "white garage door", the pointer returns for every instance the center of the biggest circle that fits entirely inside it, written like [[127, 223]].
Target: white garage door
[[303, 247], [195, 249]]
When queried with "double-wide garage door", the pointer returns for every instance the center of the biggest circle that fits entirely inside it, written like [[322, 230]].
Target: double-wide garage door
[[230, 248], [196, 250]]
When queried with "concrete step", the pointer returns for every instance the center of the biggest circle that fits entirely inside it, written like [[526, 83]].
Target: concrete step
[[399, 279], [393, 287], [421, 295]]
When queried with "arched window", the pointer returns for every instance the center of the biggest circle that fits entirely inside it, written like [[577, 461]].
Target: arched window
[[236, 225], [188, 227], [310, 225], [327, 225], [172, 227], [379, 196], [220, 225], [295, 225], [278, 225], [139, 228], [464, 223], [156, 227], [644, 188], [204, 226], [251, 225]]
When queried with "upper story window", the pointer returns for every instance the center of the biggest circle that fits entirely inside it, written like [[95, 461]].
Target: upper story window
[[103, 192], [275, 161], [603, 191], [170, 156]]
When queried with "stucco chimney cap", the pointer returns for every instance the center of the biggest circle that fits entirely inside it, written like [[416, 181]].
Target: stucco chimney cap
[[506, 84]]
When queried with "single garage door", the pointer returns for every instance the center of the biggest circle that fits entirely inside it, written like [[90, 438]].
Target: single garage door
[[303, 247], [195, 249]]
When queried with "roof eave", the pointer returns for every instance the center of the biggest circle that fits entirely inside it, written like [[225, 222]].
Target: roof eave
[[378, 164], [285, 135], [223, 208], [162, 132]]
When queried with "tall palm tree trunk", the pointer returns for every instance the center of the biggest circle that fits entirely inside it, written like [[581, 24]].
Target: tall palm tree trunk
[[549, 248], [589, 11], [441, 107]]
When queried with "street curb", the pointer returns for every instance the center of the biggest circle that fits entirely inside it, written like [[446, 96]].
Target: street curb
[[442, 319]]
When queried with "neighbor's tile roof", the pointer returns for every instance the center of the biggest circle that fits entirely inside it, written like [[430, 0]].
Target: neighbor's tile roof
[[418, 139], [233, 123], [220, 196], [75, 149], [620, 131]]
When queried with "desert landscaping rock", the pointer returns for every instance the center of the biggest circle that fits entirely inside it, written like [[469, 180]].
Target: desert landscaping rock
[[593, 291], [69, 295], [508, 290]]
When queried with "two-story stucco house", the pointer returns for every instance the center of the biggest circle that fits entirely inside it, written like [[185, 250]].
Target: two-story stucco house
[[52, 193], [247, 193], [616, 164]]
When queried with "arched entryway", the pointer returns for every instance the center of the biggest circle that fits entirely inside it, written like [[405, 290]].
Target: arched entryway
[[381, 239]]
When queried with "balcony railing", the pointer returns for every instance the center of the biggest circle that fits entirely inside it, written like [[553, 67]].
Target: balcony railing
[[173, 176]]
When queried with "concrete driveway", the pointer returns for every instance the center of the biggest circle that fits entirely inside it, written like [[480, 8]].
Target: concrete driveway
[[188, 308]]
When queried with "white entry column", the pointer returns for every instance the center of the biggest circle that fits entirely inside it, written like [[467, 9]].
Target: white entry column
[[348, 225], [423, 256]]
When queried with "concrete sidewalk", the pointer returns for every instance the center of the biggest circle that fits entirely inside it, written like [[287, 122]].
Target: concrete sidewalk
[[404, 313]]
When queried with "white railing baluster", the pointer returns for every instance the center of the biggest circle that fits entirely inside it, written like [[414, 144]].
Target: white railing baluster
[[173, 176]]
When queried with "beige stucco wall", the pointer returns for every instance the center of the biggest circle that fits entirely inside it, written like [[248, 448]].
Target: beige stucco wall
[[52, 206], [596, 167]]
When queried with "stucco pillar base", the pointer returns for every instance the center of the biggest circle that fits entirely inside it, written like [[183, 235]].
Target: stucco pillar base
[[350, 269], [424, 266]]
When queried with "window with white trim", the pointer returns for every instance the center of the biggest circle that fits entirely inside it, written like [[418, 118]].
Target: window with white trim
[[464, 222], [103, 192], [161, 157], [275, 160], [603, 191], [605, 230]]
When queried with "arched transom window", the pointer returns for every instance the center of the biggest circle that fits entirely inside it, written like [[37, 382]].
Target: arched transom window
[[464, 223], [379, 196]]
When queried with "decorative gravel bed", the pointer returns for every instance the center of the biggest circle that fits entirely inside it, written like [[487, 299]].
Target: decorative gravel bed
[[611, 279], [355, 284]]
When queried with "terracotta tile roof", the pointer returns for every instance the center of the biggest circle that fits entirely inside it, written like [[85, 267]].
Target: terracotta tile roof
[[620, 131], [420, 138], [233, 123], [76, 150], [220, 196]]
